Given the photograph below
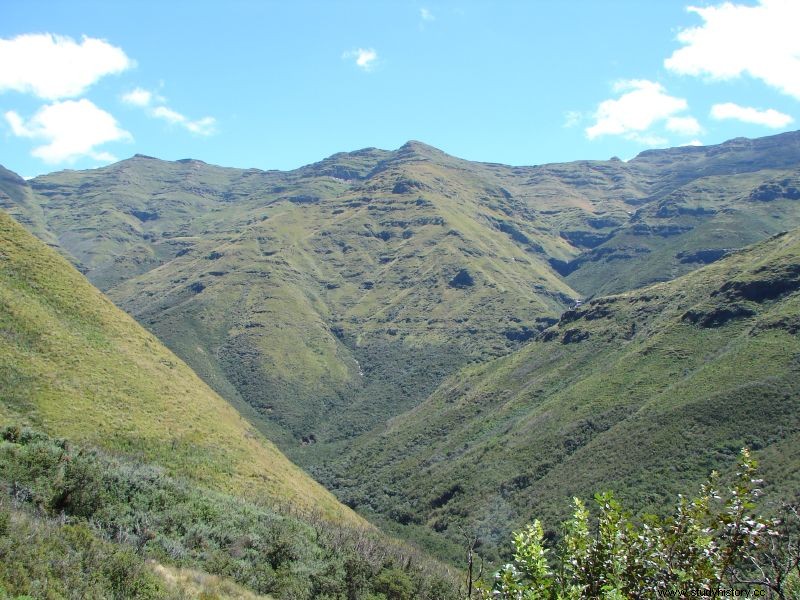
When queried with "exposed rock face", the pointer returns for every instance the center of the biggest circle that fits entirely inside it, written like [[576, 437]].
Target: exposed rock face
[[718, 316], [145, 215], [462, 280], [768, 285], [585, 239], [407, 186], [774, 190], [704, 256]]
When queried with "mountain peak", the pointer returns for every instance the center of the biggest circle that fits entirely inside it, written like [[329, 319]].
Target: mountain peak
[[416, 149], [10, 176]]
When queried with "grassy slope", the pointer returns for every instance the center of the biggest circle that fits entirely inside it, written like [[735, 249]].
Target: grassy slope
[[318, 301], [305, 308], [340, 270], [75, 365], [17, 198], [705, 198], [688, 227], [642, 393]]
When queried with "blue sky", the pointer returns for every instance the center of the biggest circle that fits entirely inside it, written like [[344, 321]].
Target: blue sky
[[277, 85]]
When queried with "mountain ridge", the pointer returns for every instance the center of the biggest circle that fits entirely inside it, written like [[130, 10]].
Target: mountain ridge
[[642, 393], [123, 390], [330, 303], [570, 226]]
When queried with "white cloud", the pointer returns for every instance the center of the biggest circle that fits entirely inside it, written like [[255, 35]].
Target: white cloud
[[684, 125], [426, 15], [169, 115], [643, 104], [735, 39], [769, 118], [53, 66], [365, 58], [146, 99], [204, 126], [71, 129], [138, 97], [694, 143]]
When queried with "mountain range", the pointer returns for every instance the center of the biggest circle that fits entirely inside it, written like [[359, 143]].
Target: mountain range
[[450, 345]]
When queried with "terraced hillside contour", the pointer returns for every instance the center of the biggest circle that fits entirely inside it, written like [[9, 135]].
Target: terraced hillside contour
[[641, 393], [326, 300], [74, 365]]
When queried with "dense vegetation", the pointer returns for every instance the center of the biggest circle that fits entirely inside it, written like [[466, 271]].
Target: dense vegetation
[[643, 392], [326, 300], [714, 545], [329, 305], [73, 364], [76, 522]]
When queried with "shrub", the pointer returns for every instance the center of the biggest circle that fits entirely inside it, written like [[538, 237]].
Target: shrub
[[710, 542], [394, 584], [105, 517]]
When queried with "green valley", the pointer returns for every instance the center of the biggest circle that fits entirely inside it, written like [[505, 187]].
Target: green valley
[[453, 347], [74, 364], [124, 475], [642, 393], [326, 300]]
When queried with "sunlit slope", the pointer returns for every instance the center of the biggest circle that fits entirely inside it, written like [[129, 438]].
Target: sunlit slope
[[643, 393], [698, 203], [75, 365], [326, 300], [330, 312]]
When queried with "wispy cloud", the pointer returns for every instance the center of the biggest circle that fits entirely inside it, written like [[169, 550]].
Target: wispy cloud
[[155, 106], [365, 58], [141, 97], [426, 15], [641, 105], [204, 126], [573, 118], [735, 39], [71, 129], [768, 118], [52, 66]]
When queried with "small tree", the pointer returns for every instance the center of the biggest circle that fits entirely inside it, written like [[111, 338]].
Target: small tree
[[709, 541]]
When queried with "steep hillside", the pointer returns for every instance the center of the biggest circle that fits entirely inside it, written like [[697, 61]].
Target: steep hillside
[[320, 304], [17, 198], [642, 393], [703, 202], [326, 300], [73, 364]]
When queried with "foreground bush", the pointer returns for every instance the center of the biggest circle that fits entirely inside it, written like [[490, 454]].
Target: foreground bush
[[712, 546], [77, 523]]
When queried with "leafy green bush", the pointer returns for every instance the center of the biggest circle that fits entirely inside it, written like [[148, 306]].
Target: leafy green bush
[[97, 519], [42, 559], [394, 584], [712, 542]]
